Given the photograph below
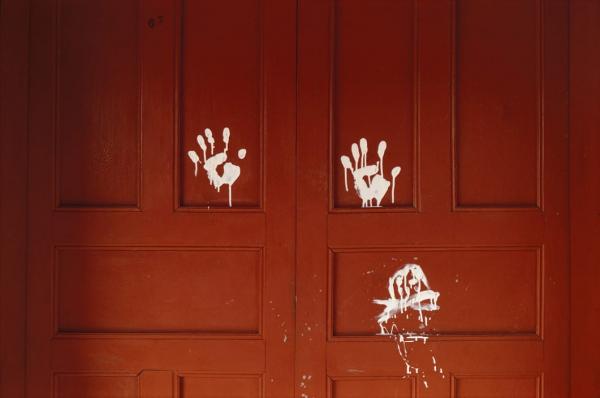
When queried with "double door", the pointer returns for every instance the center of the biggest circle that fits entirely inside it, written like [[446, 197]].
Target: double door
[[258, 198]]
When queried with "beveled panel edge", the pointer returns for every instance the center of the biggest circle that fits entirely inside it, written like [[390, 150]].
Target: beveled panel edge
[[538, 335], [455, 377], [57, 205], [332, 379], [180, 377], [177, 163], [100, 373], [416, 130], [55, 332], [534, 207]]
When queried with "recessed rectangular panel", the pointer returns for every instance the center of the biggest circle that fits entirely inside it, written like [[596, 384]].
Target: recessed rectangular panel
[[158, 290], [219, 386], [377, 387], [496, 387], [97, 104], [95, 386], [373, 98], [482, 291], [497, 103], [221, 87]]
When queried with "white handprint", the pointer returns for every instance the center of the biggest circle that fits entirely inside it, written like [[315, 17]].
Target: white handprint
[[231, 172], [369, 182], [409, 292]]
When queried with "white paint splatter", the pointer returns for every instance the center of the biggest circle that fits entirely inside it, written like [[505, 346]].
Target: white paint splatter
[[409, 292], [231, 172], [305, 384], [369, 181], [414, 293]]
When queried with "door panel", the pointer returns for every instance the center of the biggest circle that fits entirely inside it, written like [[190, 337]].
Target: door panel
[[359, 79], [488, 223], [95, 385], [199, 386], [497, 386], [144, 280], [504, 281], [101, 290], [221, 85], [498, 69], [98, 89]]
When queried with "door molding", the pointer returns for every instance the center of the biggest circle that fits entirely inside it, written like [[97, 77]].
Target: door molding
[[14, 35], [584, 192]]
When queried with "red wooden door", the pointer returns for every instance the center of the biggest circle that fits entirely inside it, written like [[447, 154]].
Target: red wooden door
[[146, 280], [467, 98], [381, 213]]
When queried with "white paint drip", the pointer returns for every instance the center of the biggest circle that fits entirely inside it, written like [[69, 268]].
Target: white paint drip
[[369, 181], [395, 172], [408, 291], [231, 172]]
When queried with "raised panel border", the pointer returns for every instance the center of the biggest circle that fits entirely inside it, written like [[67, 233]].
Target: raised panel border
[[331, 380], [455, 377], [180, 377], [178, 160], [129, 375], [416, 178], [57, 334], [537, 336], [58, 206], [539, 205]]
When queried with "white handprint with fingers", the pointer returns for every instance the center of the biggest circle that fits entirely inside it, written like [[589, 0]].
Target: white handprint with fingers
[[369, 181], [409, 293], [230, 172]]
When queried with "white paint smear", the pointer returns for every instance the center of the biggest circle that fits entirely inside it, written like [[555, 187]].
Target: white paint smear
[[409, 290], [229, 173], [409, 293], [370, 183]]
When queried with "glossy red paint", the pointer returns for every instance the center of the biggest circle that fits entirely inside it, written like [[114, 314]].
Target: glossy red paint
[[484, 199], [584, 188], [125, 275], [120, 235]]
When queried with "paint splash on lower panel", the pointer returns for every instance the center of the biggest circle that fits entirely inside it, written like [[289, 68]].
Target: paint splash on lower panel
[[409, 295]]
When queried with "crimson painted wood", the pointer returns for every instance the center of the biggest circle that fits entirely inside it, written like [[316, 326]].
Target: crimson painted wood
[[142, 281], [483, 201], [14, 48], [585, 197], [126, 274]]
